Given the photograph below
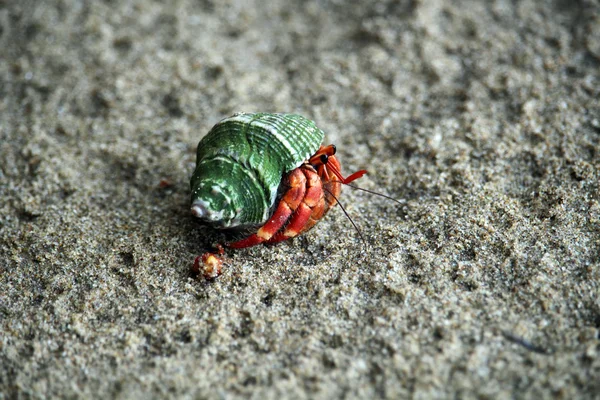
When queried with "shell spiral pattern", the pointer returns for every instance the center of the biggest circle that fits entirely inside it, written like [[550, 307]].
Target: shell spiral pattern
[[240, 164]]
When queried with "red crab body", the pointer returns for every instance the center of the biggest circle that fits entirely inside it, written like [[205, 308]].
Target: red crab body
[[313, 188]]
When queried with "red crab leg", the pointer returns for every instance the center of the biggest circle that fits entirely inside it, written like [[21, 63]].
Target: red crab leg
[[322, 205], [312, 202], [288, 204]]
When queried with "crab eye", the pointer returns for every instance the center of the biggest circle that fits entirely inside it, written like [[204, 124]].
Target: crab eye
[[324, 158]]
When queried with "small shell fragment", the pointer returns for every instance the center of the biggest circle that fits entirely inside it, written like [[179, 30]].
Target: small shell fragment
[[209, 265]]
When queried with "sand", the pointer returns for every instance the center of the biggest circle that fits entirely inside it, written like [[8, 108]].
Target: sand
[[481, 118]]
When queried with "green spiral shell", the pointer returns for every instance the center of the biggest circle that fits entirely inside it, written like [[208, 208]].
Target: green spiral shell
[[240, 164]]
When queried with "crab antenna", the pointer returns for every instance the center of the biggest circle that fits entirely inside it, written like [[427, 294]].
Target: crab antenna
[[348, 216], [377, 194]]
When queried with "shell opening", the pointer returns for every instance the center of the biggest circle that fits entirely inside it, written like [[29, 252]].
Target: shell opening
[[199, 209], [204, 211]]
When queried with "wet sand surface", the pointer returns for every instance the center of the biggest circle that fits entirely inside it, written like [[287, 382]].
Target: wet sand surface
[[482, 118]]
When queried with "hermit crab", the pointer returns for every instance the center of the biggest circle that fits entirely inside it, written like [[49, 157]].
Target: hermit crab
[[265, 175]]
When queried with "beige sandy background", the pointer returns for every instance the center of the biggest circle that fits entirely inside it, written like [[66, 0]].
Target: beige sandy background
[[482, 117]]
